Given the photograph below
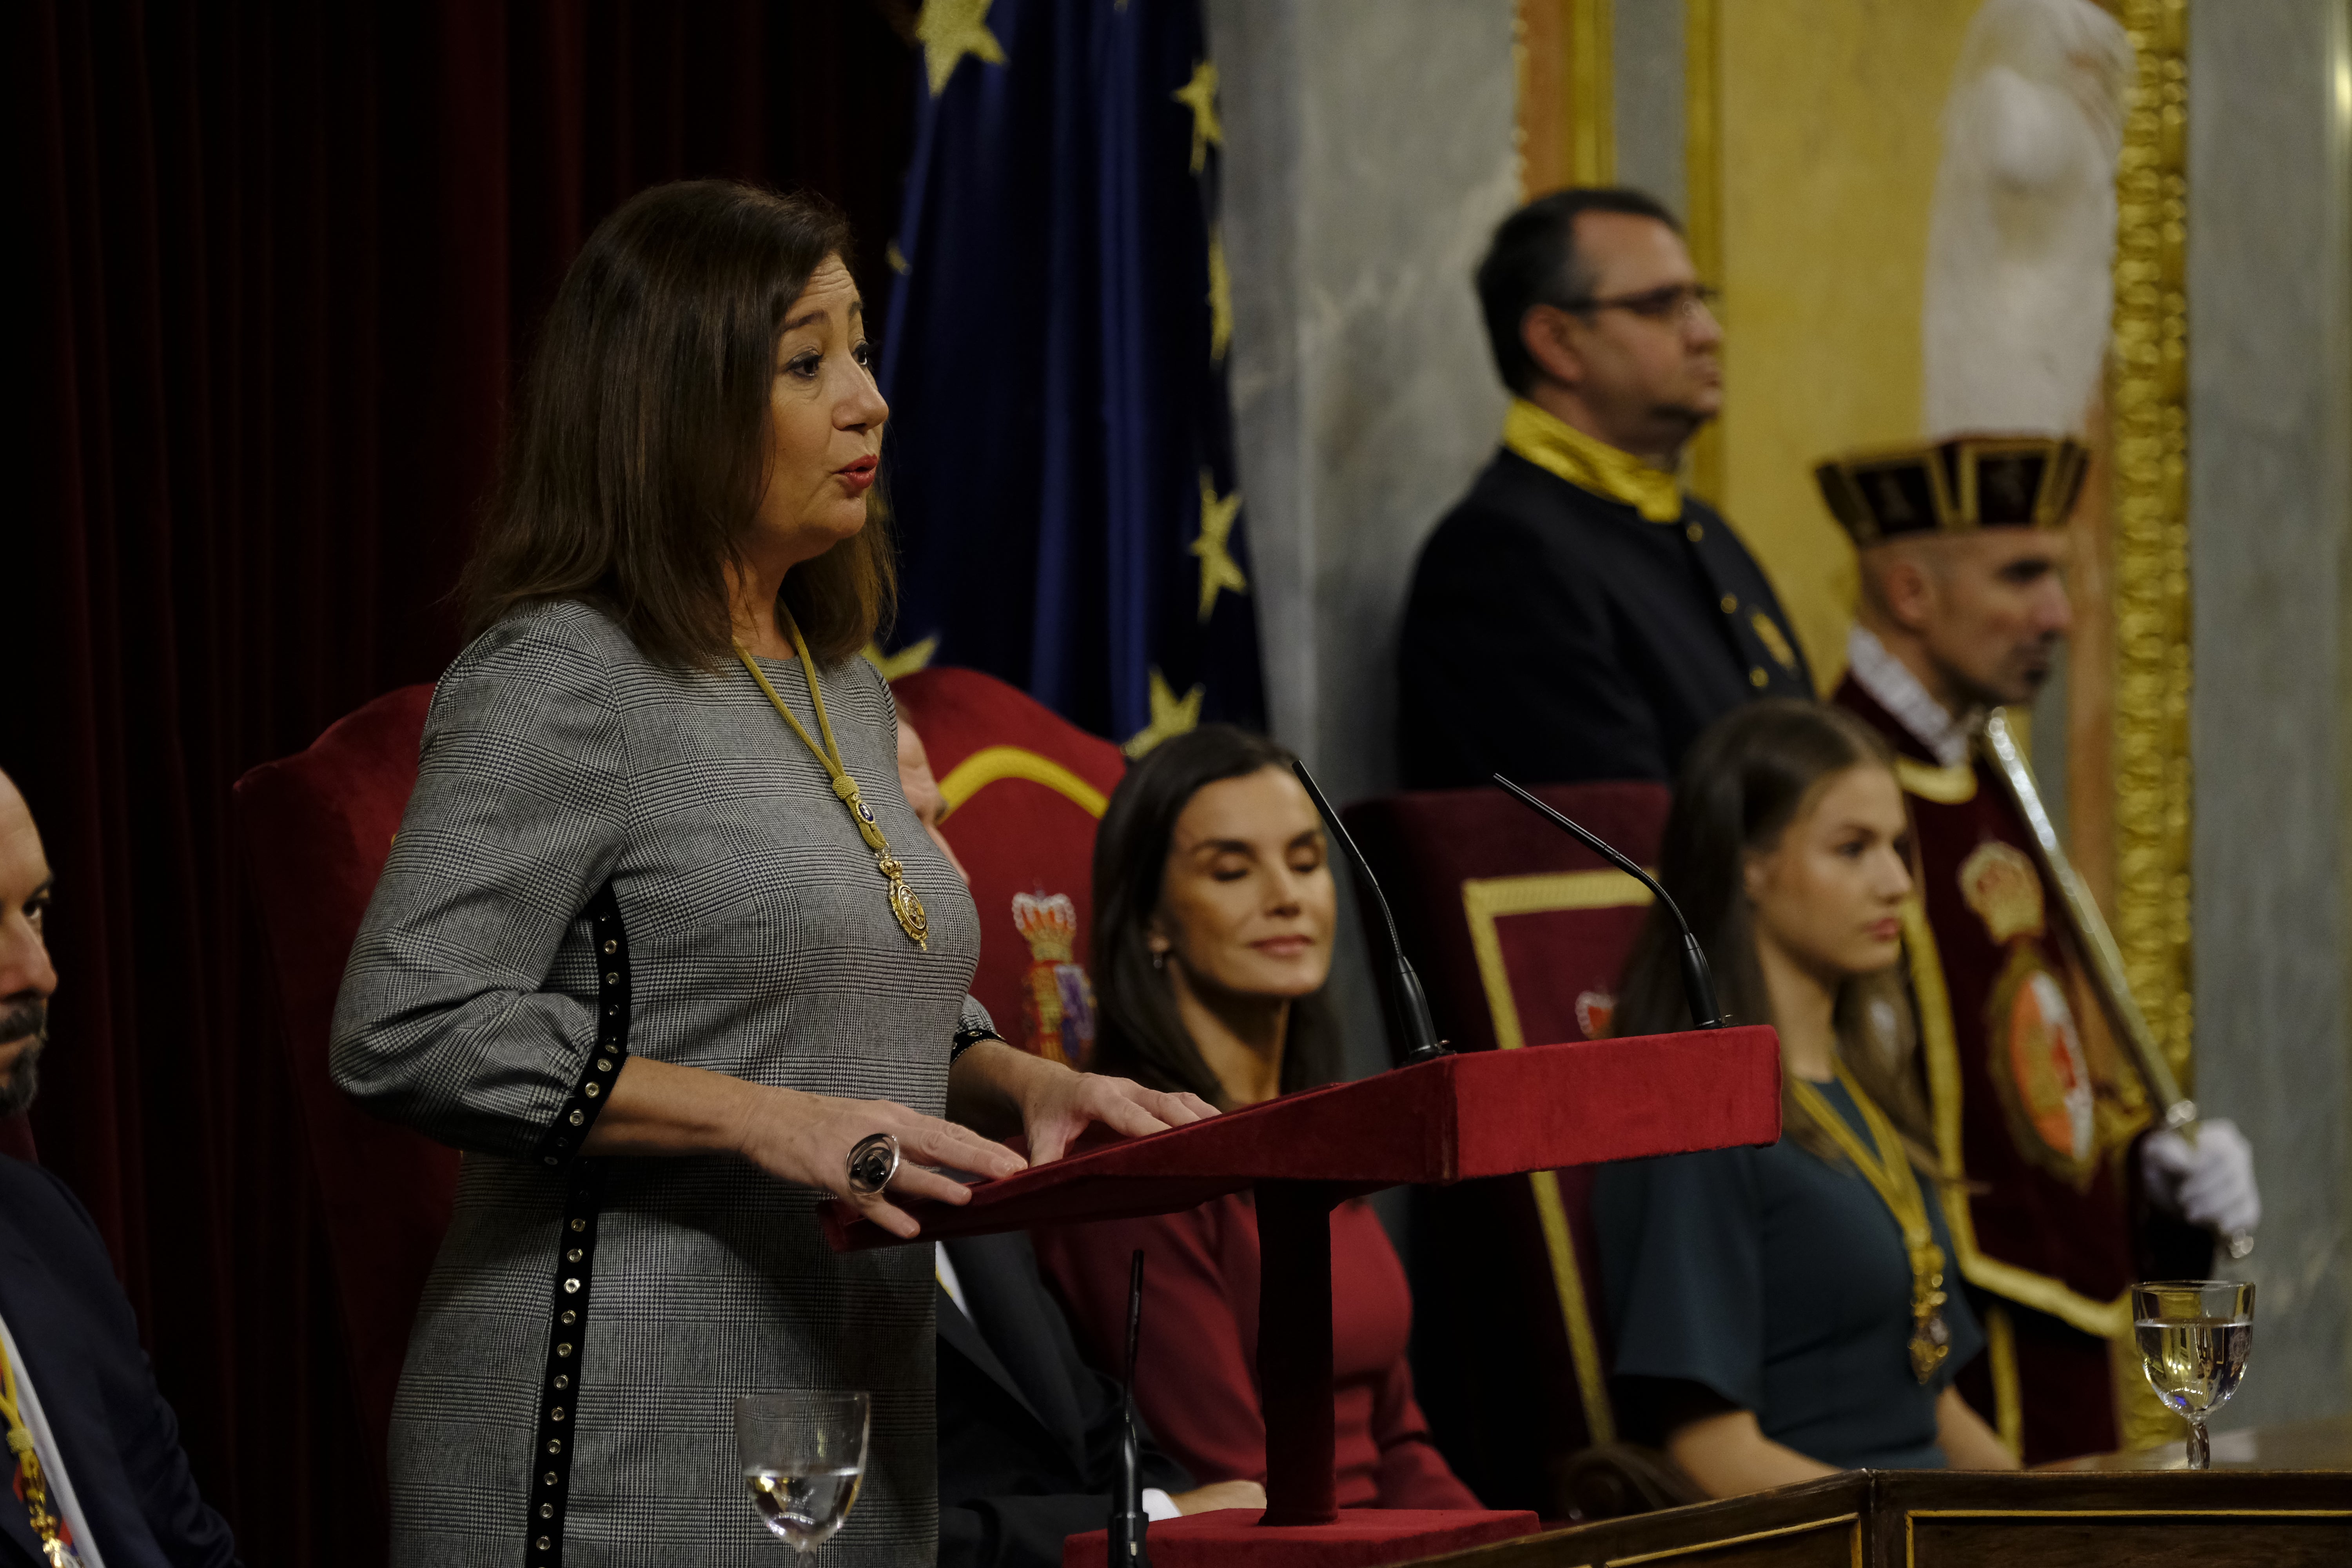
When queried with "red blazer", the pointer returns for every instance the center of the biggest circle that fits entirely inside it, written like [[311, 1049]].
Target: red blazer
[[1197, 1377]]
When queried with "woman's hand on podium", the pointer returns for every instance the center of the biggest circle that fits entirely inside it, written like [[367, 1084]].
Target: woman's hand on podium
[[1001, 1089], [665, 1108]]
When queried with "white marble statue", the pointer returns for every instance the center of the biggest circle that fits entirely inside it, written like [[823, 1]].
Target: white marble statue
[[2021, 241]]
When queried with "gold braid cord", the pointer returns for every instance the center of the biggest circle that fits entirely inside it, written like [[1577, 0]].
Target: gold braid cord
[[2150, 416]]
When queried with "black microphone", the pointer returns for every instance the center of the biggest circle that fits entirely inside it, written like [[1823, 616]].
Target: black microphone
[[1127, 1519], [1698, 986], [1405, 995]]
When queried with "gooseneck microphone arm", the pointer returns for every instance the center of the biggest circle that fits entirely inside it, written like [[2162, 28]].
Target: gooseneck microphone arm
[[1698, 984], [1129, 1523], [1406, 998]]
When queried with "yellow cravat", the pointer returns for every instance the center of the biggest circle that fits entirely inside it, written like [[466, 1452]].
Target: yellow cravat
[[1558, 449]]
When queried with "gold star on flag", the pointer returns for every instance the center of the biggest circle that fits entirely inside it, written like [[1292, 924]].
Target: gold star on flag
[[1199, 96], [1170, 716], [905, 661], [1220, 296], [1218, 569], [951, 29]]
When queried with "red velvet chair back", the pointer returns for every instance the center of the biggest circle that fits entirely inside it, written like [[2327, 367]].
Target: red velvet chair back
[[316, 828], [1519, 934], [1025, 789]]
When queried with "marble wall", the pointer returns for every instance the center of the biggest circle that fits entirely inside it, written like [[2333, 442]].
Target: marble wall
[[2270, 423], [1369, 154]]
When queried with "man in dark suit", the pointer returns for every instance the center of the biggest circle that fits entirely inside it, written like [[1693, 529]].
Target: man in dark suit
[[1578, 614], [94, 1461], [1029, 1434]]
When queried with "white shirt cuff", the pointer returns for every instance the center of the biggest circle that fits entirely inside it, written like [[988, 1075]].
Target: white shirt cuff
[[1157, 1504]]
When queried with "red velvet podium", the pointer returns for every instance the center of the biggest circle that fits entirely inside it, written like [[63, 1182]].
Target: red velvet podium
[[1486, 1113]]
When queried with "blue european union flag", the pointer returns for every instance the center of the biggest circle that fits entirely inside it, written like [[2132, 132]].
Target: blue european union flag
[[1061, 455]]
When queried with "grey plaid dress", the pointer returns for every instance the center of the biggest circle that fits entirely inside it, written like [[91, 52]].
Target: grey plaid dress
[[607, 856]]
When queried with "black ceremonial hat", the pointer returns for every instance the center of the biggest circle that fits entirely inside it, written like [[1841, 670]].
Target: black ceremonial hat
[[1954, 486]]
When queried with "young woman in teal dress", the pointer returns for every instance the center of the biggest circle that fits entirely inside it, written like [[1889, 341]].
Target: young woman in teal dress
[[1783, 1312]]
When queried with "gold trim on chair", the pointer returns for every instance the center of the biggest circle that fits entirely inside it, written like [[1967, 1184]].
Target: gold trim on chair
[[1940, 1043], [2001, 1361], [991, 764], [1484, 899]]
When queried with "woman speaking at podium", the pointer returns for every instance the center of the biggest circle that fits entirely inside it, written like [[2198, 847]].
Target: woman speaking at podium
[[1781, 1313], [1213, 911], [658, 893]]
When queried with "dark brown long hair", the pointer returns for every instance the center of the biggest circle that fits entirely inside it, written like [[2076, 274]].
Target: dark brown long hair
[[1752, 773], [1143, 1035], [639, 449]]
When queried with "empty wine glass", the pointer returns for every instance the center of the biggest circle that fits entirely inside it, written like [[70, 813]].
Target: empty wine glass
[[2193, 1336], [804, 1455]]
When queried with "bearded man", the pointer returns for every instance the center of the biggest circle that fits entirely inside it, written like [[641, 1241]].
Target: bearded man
[[95, 1471]]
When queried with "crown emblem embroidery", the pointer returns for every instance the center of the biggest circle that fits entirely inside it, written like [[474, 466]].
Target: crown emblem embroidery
[[1057, 1003], [2004, 890]]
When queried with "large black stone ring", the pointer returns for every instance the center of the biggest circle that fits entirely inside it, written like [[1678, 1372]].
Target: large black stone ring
[[872, 1163]]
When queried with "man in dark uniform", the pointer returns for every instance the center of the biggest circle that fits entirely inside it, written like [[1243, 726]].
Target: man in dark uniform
[[2056, 1192], [1578, 614]]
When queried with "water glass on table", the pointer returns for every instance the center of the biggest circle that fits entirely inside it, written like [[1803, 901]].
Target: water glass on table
[[2193, 1336], [804, 1455]]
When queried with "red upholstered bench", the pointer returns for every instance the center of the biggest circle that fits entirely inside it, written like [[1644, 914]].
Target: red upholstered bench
[[1024, 788], [316, 828]]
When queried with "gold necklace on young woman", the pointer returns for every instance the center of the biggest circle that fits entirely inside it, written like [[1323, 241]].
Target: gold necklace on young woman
[[903, 902], [1888, 1170]]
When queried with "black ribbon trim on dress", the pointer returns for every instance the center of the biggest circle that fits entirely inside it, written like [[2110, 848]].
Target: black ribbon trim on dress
[[586, 1102], [575, 1249], [968, 1036]]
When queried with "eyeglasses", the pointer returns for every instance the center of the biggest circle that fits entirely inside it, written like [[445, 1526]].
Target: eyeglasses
[[1674, 302]]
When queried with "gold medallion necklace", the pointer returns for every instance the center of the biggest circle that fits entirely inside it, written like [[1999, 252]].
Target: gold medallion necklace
[[47, 1529], [1889, 1174], [904, 904]]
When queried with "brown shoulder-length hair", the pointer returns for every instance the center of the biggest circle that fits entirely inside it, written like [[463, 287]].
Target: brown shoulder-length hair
[[1141, 1034], [639, 448], [1753, 772]]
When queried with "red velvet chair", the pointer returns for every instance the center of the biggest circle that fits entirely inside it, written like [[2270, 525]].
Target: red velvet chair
[[1024, 788], [1519, 933], [316, 828]]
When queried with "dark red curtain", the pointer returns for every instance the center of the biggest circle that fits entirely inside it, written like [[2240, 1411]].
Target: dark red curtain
[[282, 261]]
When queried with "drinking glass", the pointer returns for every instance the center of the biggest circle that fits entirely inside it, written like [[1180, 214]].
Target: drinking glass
[[804, 1455], [2193, 1336]]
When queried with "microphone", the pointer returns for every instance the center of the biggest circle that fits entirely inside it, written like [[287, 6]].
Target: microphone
[[1410, 1003], [1127, 1519], [1698, 984]]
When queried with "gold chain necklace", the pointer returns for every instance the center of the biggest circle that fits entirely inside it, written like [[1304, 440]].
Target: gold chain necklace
[[46, 1525], [1889, 1174], [903, 902]]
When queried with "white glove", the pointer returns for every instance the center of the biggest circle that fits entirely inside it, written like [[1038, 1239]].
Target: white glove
[[2209, 1183]]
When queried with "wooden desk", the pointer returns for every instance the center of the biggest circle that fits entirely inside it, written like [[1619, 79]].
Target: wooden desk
[[2324, 1445], [1934, 1518]]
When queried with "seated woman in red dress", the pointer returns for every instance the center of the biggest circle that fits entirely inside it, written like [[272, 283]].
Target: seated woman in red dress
[[1214, 915]]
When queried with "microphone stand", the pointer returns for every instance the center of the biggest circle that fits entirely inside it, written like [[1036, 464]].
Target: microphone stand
[[1698, 983], [1407, 1000], [1127, 1519]]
